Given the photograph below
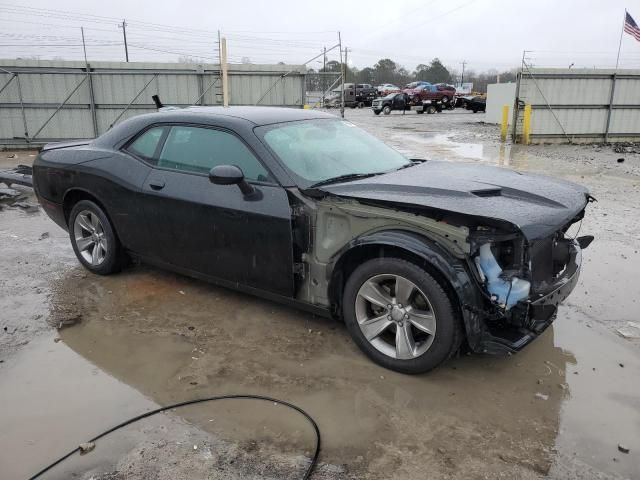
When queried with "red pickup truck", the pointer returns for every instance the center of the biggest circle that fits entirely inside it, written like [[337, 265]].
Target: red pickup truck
[[420, 91]]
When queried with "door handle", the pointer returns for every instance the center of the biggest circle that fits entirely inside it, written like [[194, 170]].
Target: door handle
[[156, 184]]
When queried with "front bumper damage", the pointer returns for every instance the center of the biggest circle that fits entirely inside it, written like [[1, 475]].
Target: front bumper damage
[[511, 331]]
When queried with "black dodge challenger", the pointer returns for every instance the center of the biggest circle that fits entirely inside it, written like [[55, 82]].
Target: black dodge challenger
[[418, 257]]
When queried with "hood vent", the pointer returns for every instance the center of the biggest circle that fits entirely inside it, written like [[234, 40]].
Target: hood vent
[[493, 192]]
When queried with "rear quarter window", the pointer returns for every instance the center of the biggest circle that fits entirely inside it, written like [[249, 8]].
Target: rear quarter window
[[146, 145]]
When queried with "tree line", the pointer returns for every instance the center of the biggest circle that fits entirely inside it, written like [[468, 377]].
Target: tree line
[[388, 71]]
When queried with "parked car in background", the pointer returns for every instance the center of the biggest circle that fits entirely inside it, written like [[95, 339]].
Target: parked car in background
[[387, 88], [393, 101], [413, 85], [419, 93], [360, 96], [446, 86], [476, 104], [401, 101], [417, 257]]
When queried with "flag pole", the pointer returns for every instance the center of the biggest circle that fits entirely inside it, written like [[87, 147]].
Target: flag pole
[[624, 20]]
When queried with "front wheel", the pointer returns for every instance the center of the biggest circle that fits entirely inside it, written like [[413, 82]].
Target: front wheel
[[386, 110], [400, 316], [377, 112], [94, 240]]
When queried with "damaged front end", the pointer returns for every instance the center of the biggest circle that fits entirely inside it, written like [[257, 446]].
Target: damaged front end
[[522, 282], [506, 282]]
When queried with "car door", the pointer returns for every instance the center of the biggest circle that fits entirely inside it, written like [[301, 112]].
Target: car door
[[399, 102], [216, 230]]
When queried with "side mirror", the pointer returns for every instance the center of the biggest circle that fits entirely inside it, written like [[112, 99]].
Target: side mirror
[[230, 175]]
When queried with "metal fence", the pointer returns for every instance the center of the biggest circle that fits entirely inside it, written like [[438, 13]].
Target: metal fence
[[578, 105], [43, 101]]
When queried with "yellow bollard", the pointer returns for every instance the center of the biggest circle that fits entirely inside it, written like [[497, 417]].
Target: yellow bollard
[[526, 125], [505, 123]]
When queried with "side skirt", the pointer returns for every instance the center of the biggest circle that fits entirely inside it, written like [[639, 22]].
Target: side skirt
[[291, 302]]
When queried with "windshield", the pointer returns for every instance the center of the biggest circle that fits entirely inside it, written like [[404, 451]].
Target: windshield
[[317, 150]]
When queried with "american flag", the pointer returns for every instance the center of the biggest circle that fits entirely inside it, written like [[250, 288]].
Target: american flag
[[631, 27]]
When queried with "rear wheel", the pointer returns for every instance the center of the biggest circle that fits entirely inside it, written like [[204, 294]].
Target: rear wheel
[[445, 99], [400, 316], [94, 240], [386, 110]]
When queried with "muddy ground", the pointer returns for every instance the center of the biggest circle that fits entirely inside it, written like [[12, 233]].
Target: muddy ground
[[80, 353]]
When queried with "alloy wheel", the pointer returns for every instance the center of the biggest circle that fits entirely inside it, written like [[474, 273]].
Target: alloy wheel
[[90, 238], [395, 316]]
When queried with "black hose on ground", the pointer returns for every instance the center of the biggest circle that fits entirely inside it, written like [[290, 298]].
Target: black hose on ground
[[307, 473]]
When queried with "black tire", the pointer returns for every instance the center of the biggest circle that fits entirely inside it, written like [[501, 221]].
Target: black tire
[[449, 332], [431, 110], [475, 110], [115, 257], [420, 112], [360, 104], [445, 99], [386, 110], [377, 112]]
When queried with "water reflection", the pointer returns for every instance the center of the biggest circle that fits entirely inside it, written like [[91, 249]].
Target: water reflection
[[172, 346]]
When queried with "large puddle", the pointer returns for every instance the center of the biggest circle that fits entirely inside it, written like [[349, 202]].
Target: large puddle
[[148, 337]]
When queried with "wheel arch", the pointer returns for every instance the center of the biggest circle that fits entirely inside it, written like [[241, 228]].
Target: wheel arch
[[76, 194], [449, 271]]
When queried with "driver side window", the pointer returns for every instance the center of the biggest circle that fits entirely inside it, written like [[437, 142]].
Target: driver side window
[[195, 149]]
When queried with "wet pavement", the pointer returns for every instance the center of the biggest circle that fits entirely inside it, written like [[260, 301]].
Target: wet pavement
[[145, 337]]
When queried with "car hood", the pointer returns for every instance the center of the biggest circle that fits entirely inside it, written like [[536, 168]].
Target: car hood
[[538, 205]]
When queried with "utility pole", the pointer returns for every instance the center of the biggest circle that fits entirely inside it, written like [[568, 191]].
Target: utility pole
[[346, 69], [124, 34], [346, 65], [225, 77], [341, 77], [324, 71], [92, 102], [462, 76], [84, 47]]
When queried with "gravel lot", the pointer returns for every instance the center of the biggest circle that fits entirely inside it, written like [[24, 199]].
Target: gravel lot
[[80, 353]]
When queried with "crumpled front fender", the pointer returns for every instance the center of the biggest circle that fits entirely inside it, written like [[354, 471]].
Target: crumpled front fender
[[442, 264]]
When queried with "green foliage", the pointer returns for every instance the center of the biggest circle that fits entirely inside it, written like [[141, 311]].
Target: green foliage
[[435, 72], [386, 70]]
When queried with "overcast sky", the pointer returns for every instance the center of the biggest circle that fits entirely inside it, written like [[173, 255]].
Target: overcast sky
[[485, 33]]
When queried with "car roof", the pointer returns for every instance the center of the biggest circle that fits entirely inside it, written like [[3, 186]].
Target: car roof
[[221, 116], [254, 114]]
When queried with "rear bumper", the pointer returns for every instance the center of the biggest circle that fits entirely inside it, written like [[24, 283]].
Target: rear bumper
[[55, 212], [528, 319]]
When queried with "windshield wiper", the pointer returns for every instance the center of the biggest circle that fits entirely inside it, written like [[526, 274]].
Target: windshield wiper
[[412, 162], [343, 178]]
